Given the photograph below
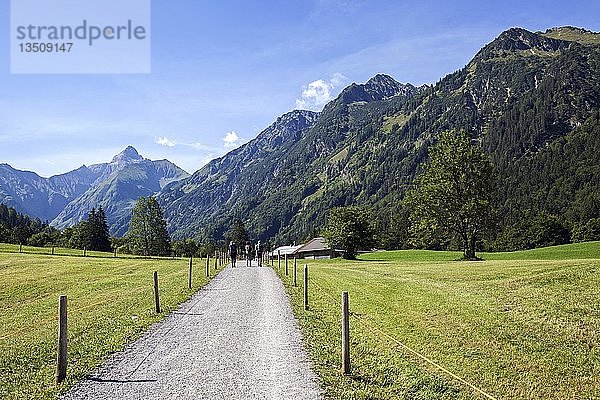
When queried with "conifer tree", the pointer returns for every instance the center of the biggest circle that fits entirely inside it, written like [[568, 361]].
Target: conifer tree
[[238, 233], [102, 235]]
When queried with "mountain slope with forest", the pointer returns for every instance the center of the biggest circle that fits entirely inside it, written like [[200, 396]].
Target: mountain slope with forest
[[530, 99]]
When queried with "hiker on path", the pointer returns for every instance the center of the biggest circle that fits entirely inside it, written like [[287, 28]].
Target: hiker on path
[[233, 253], [248, 255], [258, 249]]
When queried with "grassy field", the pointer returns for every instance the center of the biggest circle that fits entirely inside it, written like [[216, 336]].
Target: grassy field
[[521, 325], [110, 303]]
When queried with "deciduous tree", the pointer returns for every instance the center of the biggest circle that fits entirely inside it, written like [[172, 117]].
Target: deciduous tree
[[452, 195], [349, 228]]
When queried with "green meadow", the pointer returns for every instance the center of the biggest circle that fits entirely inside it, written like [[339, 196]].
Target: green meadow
[[110, 303], [519, 325]]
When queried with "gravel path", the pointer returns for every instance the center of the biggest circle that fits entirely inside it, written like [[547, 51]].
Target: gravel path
[[235, 339]]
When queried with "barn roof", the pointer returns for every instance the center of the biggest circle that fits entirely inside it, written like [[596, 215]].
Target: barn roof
[[316, 244]]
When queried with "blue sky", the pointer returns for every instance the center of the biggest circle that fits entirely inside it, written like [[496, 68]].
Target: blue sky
[[224, 70]]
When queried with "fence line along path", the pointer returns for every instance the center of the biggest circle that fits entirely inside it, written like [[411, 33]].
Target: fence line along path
[[235, 339]]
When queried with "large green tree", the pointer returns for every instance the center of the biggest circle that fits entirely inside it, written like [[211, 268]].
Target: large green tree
[[147, 232], [349, 228], [453, 194]]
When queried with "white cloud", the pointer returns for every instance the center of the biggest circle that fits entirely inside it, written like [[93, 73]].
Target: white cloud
[[318, 93], [337, 80], [164, 141], [232, 140]]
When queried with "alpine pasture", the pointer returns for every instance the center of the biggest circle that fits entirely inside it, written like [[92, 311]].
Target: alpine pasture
[[519, 325]]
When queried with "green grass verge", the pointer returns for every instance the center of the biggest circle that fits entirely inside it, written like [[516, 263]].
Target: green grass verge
[[110, 304], [522, 325]]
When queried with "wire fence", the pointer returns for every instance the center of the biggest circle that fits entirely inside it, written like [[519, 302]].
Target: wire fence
[[43, 323], [370, 325]]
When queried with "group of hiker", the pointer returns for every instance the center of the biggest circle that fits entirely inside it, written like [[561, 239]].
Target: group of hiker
[[249, 253]]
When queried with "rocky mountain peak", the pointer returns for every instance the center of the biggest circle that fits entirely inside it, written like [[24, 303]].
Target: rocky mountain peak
[[381, 79], [519, 39], [127, 155], [287, 127], [379, 87], [386, 86], [300, 118]]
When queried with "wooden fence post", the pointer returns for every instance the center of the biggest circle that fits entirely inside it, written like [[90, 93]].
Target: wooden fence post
[[207, 265], [305, 287], [286, 264], [345, 335], [295, 283], [61, 359], [190, 277], [294, 263], [156, 299], [278, 260]]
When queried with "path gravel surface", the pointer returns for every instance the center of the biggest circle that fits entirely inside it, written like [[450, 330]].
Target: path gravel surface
[[235, 339]]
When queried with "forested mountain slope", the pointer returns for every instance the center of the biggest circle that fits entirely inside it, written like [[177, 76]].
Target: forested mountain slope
[[531, 100]]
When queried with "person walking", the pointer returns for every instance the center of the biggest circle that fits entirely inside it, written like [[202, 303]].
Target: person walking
[[258, 249], [233, 253], [248, 255]]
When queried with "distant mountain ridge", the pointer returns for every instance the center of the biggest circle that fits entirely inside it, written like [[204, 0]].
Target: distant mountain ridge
[[67, 198], [42, 197]]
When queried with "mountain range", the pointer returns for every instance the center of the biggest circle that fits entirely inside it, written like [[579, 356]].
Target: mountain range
[[66, 199], [531, 99]]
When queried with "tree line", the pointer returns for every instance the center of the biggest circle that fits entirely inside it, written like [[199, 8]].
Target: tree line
[[453, 205], [147, 234]]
